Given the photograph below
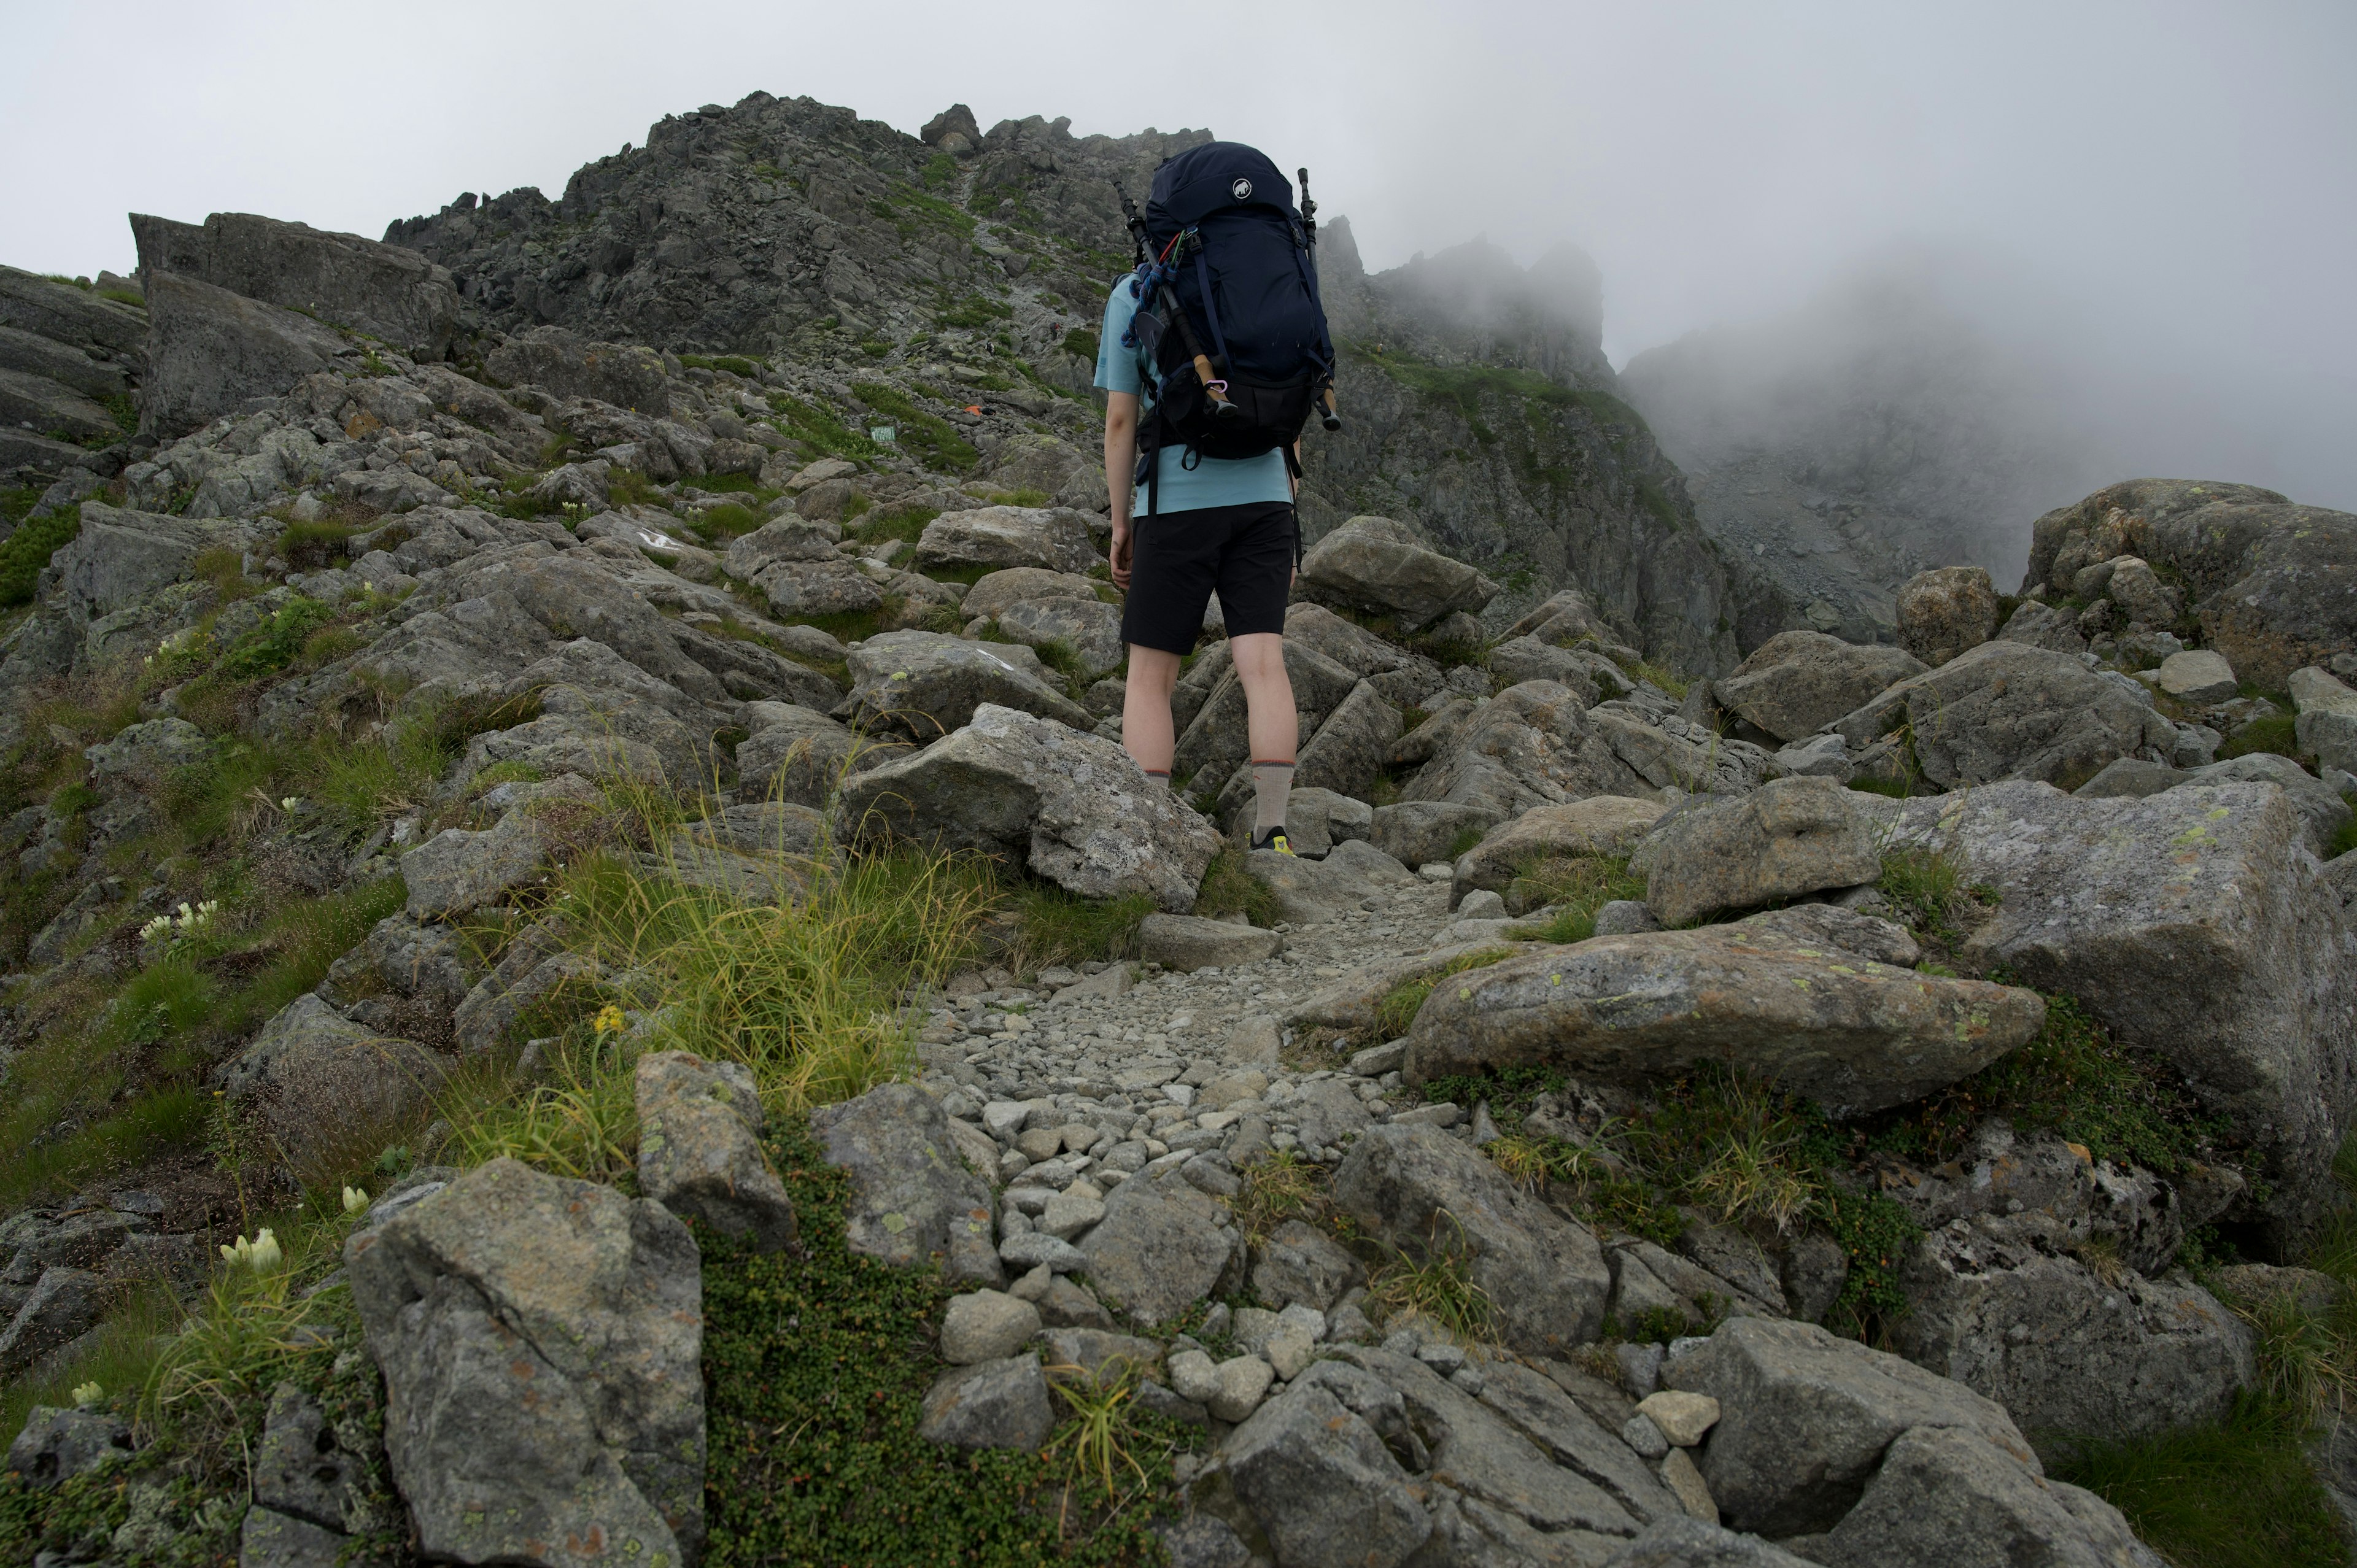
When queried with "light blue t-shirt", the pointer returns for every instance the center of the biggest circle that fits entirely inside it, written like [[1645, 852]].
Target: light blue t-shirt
[[1212, 481]]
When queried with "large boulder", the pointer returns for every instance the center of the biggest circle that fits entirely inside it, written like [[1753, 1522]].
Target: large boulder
[[2326, 725], [211, 351], [1415, 1188], [1381, 567], [700, 1152], [1311, 1478], [912, 1198], [35, 402], [925, 684], [1014, 585], [327, 1093], [1806, 997], [1349, 751], [2270, 581], [1791, 837], [2192, 923], [1945, 611], [567, 366], [1600, 825], [1531, 745], [541, 1344], [1797, 682], [457, 870], [2007, 710], [1419, 832], [79, 318], [122, 555], [2320, 804], [1091, 628], [797, 755], [389, 291], [1054, 538], [1072, 807], [2118, 1354], [1944, 1496], [1351, 645], [1805, 1418]]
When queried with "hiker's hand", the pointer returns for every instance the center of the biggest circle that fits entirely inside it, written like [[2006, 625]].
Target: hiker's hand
[[1118, 556]]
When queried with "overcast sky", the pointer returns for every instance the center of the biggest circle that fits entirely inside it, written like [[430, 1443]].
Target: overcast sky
[[2175, 183]]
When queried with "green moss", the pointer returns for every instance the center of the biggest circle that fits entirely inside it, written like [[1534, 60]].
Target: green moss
[[2124, 1105], [820, 431], [24, 552], [272, 646], [735, 364], [2276, 733], [1464, 388], [1082, 344], [2237, 1494], [818, 1364], [932, 437], [1062, 927], [1577, 886], [1228, 888]]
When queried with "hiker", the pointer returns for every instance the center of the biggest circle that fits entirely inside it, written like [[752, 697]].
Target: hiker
[[1213, 355]]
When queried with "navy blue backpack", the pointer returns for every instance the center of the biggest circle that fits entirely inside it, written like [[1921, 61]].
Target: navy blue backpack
[[1228, 309]]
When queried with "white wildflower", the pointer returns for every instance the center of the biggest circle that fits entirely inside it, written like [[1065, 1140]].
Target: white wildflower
[[88, 1393], [356, 1200]]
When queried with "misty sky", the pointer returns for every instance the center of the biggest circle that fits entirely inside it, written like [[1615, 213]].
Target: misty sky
[[2167, 189]]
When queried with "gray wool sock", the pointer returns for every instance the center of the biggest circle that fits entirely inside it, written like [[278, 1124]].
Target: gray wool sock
[[1272, 782], [1158, 780]]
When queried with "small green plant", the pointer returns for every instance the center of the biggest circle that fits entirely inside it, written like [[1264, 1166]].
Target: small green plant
[[931, 437], [1229, 887], [1397, 1012], [1100, 1433], [1577, 886], [1436, 1281], [2239, 1494], [1061, 927], [24, 552], [1281, 1188], [2276, 733], [272, 646]]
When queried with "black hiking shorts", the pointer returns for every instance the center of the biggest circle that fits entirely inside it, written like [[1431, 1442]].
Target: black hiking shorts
[[1178, 558]]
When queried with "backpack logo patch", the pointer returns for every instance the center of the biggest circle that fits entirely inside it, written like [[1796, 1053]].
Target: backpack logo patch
[[1241, 189]]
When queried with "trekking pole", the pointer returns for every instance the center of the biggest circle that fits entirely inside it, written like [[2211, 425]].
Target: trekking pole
[[1214, 388], [1327, 415]]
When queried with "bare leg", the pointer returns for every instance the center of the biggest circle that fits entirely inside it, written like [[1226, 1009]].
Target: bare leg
[[1145, 729], [1275, 729]]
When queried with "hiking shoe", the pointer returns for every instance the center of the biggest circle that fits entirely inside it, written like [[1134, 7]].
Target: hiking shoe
[[1275, 842]]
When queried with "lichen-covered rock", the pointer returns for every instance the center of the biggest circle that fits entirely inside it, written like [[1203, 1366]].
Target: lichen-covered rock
[[1374, 564], [1806, 1417], [1793, 836], [210, 351], [322, 1088], [565, 365], [1072, 807], [1944, 1496], [56, 1445], [389, 291], [913, 1198], [797, 755], [700, 1150], [1427, 1194], [2192, 923], [457, 870], [2116, 1354], [1786, 995], [1319, 1486], [1945, 611], [1600, 825], [1531, 745], [540, 1341], [1189, 942], [1092, 629], [1054, 539], [1797, 682], [991, 1404], [924, 684], [2007, 710], [2270, 580], [1157, 1250]]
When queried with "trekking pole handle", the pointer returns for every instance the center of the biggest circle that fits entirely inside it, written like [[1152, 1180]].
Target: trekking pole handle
[[1309, 210]]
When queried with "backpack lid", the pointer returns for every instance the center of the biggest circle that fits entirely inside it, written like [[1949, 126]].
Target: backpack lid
[[1214, 177]]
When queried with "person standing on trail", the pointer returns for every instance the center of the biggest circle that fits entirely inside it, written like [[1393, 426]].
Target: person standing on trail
[[1214, 354]]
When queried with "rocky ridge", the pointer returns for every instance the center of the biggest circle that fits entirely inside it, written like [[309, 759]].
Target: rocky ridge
[[597, 572]]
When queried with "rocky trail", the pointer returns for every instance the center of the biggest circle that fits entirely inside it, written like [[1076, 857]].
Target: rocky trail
[[586, 974]]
